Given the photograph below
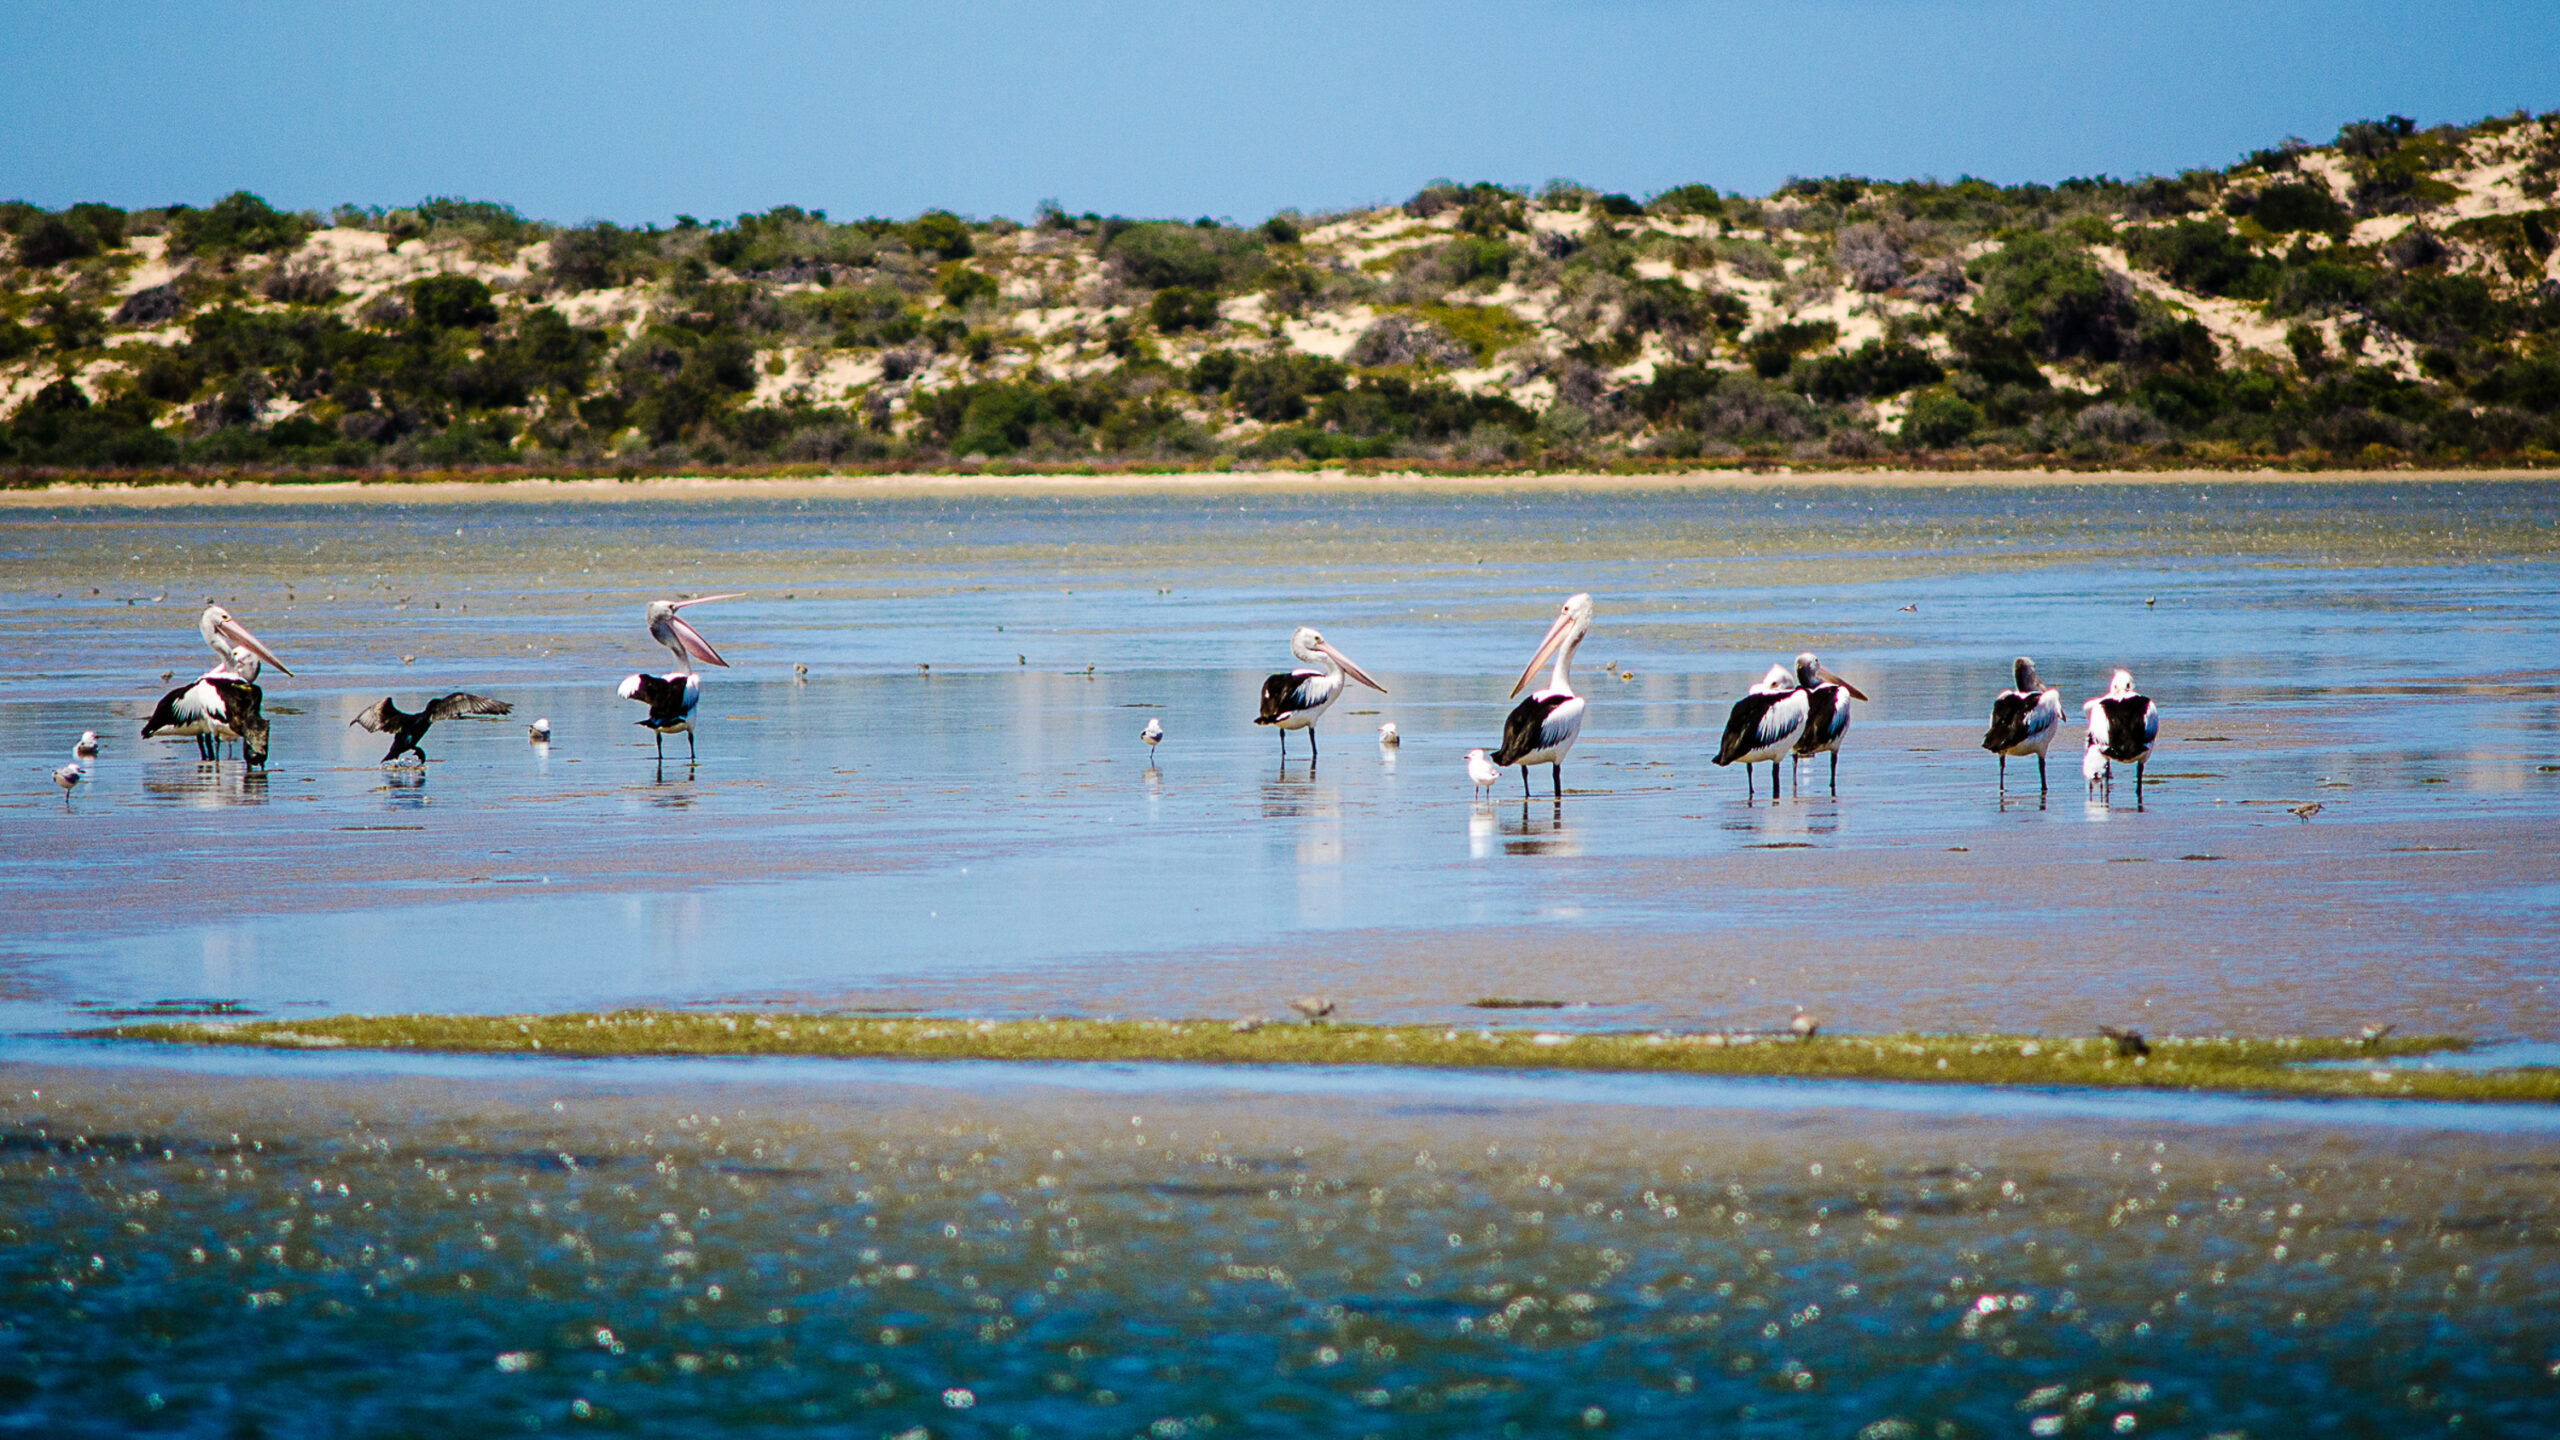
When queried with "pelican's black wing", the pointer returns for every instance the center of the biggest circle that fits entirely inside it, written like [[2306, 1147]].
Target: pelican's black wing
[[1525, 731], [1745, 730], [2133, 723], [1826, 716], [1285, 695], [460, 706], [2011, 721]]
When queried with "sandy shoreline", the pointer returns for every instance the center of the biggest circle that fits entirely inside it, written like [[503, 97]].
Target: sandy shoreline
[[910, 486]]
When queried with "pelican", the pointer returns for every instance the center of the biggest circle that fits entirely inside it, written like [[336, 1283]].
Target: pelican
[[2124, 725], [1483, 772], [1541, 729], [405, 729], [1298, 699], [227, 637], [2024, 721], [1826, 718], [1388, 737], [87, 746], [670, 699], [224, 703], [1153, 734], [676, 633], [1764, 724]]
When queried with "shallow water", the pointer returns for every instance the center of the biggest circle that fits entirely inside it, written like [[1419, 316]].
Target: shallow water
[[601, 1244], [987, 836]]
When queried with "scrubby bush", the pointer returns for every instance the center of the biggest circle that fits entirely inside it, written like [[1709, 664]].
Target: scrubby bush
[[2203, 256], [237, 224], [1871, 255], [46, 239], [1689, 200], [1404, 340], [2048, 293], [291, 282], [1939, 418], [451, 302], [1281, 230], [961, 284], [600, 255], [2293, 205], [1774, 349], [1877, 368], [1276, 388], [939, 232], [1182, 309], [1161, 256]]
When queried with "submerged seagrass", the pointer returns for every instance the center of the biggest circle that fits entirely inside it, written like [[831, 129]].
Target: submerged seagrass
[[2217, 1064]]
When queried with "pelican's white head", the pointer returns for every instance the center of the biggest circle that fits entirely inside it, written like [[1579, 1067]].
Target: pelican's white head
[[226, 636], [1309, 646], [1776, 682], [2121, 687], [1572, 622], [676, 633]]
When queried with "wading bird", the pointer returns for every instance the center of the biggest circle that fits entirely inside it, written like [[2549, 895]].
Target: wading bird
[[1388, 737], [1297, 699], [1153, 733], [2124, 724], [677, 633], [2024, 721], [1804, 1025], [406, 730], [69, 777], [670, 699], [224, 703], [2094, 770], [88, 744], [1826, 718], [227, 637], [1764, 725], [1482, 771], [539, 732], [1541, 729]]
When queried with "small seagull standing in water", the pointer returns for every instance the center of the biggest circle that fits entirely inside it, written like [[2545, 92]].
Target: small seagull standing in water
[[1805, 1026], [87, 746], [1314, 1007], [1388, 737], [1482, 770], [539, 732], [1153, 734], [69, 777]]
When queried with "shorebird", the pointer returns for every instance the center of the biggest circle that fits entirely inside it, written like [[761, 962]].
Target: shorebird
[[1388, 737], [1541, 729], [1764, 725], [226, 637], [677, 633], [1297, 699], [2099, 776], [2306, 811], [1314, 1007], [2125, 724], [406, 729], [1153, 733], [1482, 771], [87, 744], [670, 699], [2372, 1034], [2129, 1043], [799, 672], [69, 778], [2024, 721], [1805, 1026], [539, 732], [224, 703], [1826, 719]]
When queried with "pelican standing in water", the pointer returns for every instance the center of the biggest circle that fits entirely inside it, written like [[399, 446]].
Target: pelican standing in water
[[1297, 699], [671, 698], [1541, 729], [1765, 723], [2024, 721], [1826, 718], [2123, 725], [225, 703]]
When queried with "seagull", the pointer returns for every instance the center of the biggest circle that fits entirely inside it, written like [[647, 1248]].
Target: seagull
[[1805, 1026], [2024, 721], [88, 744], [2094, 769], [2129, 1043], [1910, 609], [2125, 724], [69, 777], [2309, 810], [1297, 699], [2150, 601], [1314, 1007], [1826, 720], [676, 633], [1153, 733], [1541, 729], [1388, 737], [1764, 725], [385, 717], [1482, 770], [799, 672], [539, 732]]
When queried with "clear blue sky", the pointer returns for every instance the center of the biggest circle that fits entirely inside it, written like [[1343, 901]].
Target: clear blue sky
[[637, 110]]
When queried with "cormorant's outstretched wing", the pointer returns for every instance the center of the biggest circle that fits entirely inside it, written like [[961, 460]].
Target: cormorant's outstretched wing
[[379, 719], [461, 706]]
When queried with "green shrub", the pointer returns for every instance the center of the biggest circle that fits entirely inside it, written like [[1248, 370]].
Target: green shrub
[[1182, 309], [1939, 418], [961, 284], [1774, 349], [1163, 256], [1689, 200], [451, 302], [1877, 368], [1275, 388], [2046, 292], [2294, 205], [1617, 207], [237, 224], [939, 232], [2202, 256], [1471, 258], [1280, 230], [601, 255]]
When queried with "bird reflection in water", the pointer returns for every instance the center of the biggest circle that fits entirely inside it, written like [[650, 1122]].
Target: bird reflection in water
[[202, 785], [673, 795], [405, 788], [1288, 795], [1540, 831]]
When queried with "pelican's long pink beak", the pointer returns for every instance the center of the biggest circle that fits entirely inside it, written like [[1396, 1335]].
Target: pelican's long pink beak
[[1354, 671], [232, 632], [1830, 679], [704, 600], [692, 641], [1546, 651]]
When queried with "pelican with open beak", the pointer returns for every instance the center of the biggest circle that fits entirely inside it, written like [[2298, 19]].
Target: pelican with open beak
[[1541, 729], [676, 633], [1297, 699], [226, 636], [1826, 717]]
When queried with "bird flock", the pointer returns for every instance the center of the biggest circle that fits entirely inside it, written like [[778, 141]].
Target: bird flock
[[1794, 713]]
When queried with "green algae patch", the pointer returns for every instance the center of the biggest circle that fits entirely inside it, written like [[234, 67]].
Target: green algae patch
[[2262, 1066]]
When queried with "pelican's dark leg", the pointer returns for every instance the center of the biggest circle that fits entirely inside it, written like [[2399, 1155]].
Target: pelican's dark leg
[[1748, 794], [1557, 780], [1524, 782], [1835, 773], [2137, 782], [2004, 772], [2040, 786], [689, 752], [1775, 789], [662, 744], [1312, 752]]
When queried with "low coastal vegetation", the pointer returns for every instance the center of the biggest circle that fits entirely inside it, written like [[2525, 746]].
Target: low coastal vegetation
[[2386, 298], [2376, 1067]]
